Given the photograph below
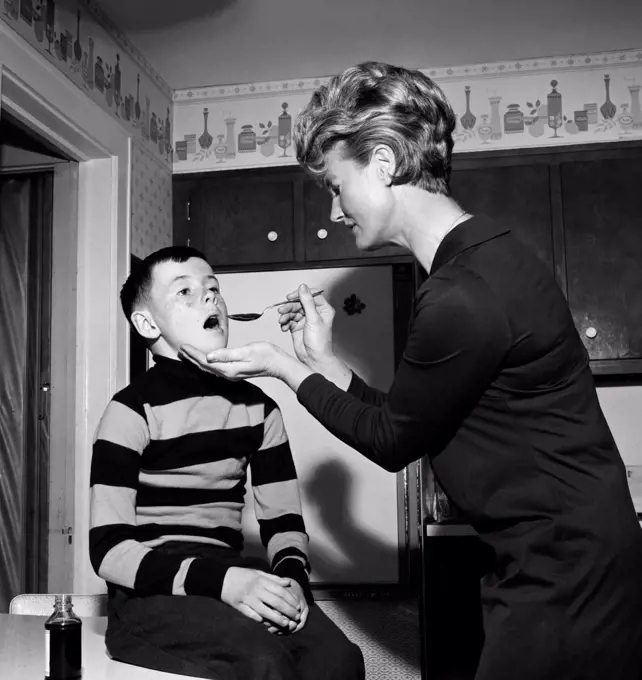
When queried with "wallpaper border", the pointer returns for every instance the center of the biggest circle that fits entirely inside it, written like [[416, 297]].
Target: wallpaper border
[[103, 19], [594, 60]]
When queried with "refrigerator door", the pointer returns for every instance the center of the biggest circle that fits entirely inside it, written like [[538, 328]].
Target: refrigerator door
[[349, 504]]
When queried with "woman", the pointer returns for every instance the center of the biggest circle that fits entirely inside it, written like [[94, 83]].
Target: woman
[[494, 385]]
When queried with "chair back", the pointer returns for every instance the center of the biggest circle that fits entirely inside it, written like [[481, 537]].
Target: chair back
[[43, 604]]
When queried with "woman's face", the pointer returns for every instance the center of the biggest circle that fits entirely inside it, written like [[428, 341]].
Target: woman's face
[[361, 199]]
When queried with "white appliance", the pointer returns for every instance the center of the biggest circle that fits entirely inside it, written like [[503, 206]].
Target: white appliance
[[349, 504]]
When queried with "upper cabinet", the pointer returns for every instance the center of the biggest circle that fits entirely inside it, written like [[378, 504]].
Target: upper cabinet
[[327, 240], [235, 221], [514, 191], [245, 219], [578, 208], [602, 211]]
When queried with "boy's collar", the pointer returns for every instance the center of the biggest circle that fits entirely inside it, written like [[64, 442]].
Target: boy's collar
[[180, 368]]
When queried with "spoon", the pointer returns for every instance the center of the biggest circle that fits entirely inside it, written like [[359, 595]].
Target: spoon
[[253, 316]]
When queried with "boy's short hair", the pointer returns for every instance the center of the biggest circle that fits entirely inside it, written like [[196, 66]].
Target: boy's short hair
[[137, 289]]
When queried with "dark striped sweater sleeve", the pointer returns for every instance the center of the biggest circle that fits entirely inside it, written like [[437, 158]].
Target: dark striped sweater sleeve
[[277, 501], [116, 551]]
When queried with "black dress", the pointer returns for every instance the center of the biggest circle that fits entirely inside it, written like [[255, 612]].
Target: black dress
[[495, 387]]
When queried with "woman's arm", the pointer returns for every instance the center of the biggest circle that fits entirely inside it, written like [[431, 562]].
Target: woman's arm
[[457, 343]]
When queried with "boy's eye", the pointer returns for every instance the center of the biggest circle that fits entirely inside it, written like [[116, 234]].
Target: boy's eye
[[184, 291]]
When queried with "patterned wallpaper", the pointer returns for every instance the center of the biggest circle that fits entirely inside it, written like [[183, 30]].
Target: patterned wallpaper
[[151, 202], [77, 38], [533, 102]]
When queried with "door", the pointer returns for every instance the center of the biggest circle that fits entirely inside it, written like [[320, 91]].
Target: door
[[25, 323], [516, 195], [238, 222], [602, 205]]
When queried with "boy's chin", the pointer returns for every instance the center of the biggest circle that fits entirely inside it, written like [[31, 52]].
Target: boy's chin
[[213, 344]]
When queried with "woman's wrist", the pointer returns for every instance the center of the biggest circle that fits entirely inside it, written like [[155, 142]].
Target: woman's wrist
[[290, 370], [334, 370]]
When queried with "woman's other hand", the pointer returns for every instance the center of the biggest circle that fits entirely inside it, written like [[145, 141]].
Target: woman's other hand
[[310, 324], [254, 360]]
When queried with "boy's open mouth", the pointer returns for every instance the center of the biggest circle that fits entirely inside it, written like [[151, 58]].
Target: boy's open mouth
[[211, 322]]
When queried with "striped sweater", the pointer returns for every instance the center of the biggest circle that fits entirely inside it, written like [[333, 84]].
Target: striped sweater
[[170, 463]]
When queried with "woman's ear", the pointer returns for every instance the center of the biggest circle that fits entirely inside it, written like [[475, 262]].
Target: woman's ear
[[144, 323], [385, 163]]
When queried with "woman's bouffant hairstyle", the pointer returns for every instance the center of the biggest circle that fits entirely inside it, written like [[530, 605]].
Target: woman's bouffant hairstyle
[[375, 103]]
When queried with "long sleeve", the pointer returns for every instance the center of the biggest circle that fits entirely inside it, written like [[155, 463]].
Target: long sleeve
[[277, 501], [116, 547], [457, 342], [365, 393]]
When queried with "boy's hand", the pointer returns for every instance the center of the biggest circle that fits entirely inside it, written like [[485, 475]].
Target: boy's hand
[[293, 625], [262, 597], [296, 590]]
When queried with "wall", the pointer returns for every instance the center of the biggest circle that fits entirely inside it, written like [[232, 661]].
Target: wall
[[81, 42], [151, 202], [237, 41], [594, 98]]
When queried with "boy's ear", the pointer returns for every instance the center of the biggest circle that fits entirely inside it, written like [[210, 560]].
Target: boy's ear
[[144, 323]]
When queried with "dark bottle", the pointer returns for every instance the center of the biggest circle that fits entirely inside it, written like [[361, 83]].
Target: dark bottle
[[63, 642]]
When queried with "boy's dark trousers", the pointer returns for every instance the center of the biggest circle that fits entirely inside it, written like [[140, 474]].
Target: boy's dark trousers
[[206, 638]]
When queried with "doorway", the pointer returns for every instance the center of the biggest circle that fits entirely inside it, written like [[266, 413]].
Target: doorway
[[26, 218]]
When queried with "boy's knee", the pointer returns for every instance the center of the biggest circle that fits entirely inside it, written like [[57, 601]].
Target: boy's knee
[[343, 660], [351, 658]]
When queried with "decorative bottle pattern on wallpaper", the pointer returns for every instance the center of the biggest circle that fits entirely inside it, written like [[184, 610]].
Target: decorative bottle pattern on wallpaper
[[74, 48], [468, 119], [554, 100], [572, 113], [285, 129], [228, 143], [636, 112]]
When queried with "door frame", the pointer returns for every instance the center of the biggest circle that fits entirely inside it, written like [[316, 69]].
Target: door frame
[[91, 248]]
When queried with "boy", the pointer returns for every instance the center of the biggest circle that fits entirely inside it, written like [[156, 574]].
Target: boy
[[167, 487]]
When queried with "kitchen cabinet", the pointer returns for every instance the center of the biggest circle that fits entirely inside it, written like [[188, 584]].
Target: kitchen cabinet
[[327, 240], [239, 221], [265, 218], [602, 208], [519, 195]]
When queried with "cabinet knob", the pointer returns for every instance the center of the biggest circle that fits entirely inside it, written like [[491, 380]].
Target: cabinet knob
[[322, 233], [590, 332], [272, 236]]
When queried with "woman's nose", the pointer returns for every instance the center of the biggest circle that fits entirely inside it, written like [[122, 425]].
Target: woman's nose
[[336, 214]]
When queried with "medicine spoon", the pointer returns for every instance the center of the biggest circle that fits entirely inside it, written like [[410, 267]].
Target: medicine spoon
[[253, 316]]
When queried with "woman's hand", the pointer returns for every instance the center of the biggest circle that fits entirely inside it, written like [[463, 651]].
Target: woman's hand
[[255, 360], [310, 324]]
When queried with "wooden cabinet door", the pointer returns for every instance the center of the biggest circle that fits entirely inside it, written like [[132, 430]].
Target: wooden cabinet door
[[602, 208], [519, 196], [327, 240], [241, 222]]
